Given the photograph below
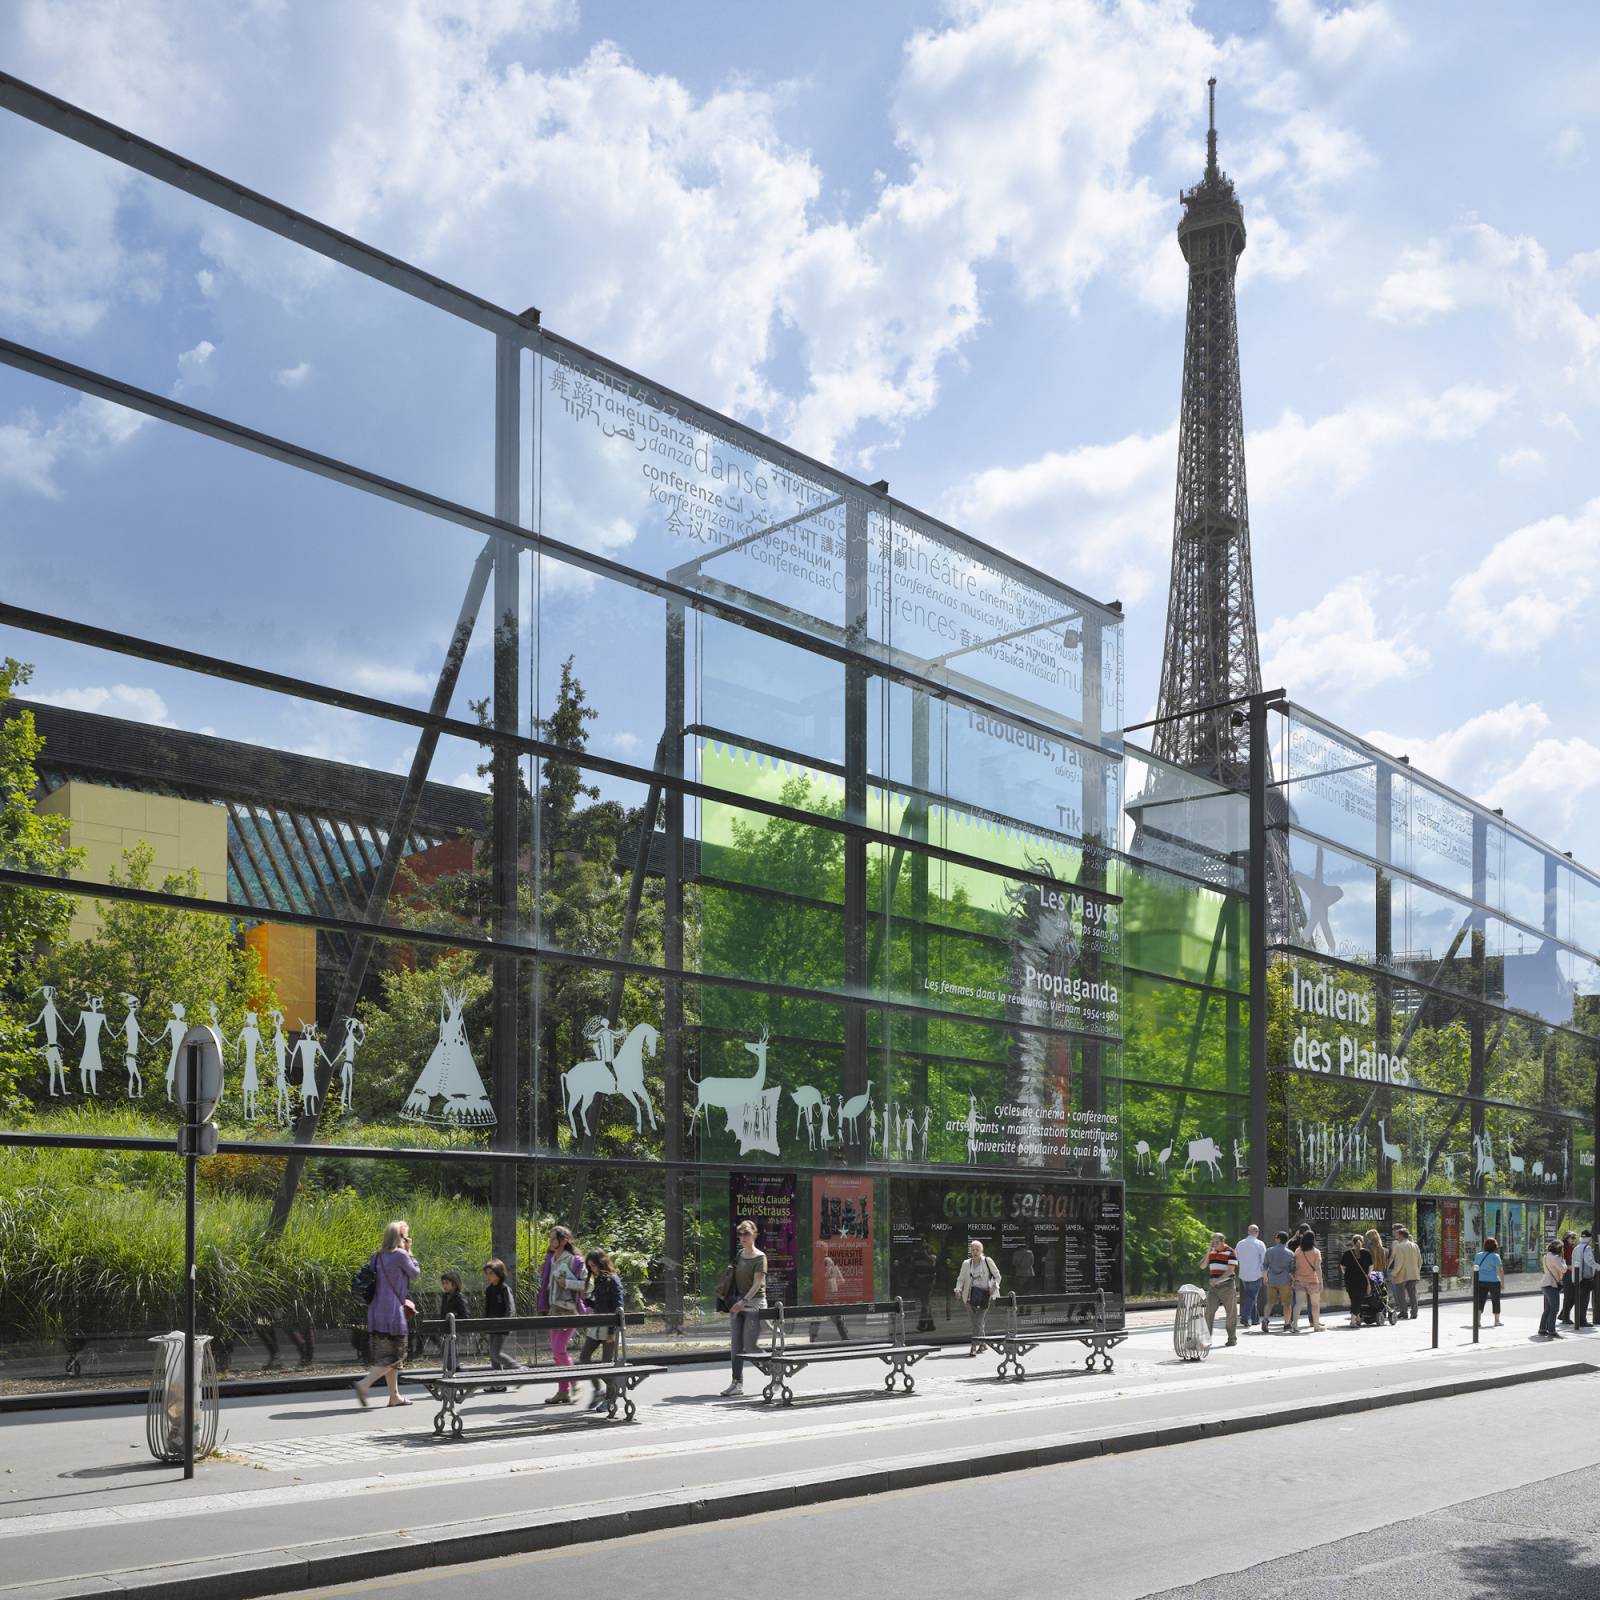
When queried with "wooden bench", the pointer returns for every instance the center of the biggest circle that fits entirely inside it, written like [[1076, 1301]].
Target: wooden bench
[[453, 1383], [782, 1360], [1013, 1345]]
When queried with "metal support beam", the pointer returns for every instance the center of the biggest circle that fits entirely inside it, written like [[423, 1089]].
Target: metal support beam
[[1259, 920], [672, 959], [507, 791], [856, 977]]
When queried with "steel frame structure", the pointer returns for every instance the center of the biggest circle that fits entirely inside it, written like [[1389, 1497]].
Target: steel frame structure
[[513, 950]]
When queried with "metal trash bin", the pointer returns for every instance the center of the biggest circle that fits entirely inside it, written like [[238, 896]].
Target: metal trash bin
[[1190, 1336], [163, 1415]]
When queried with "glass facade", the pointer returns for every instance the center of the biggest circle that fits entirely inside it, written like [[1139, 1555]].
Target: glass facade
[[572, 806], [1432, 1050]]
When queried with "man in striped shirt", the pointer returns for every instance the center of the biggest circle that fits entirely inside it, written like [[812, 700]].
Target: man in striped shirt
[[1222, 1285]]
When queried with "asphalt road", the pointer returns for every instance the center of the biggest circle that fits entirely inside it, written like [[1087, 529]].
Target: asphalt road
[[1477, 1496]]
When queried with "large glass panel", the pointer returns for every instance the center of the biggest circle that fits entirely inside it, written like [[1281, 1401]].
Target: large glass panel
[[1175, 927], [1185, 1035], [176, 296], [251, 561]]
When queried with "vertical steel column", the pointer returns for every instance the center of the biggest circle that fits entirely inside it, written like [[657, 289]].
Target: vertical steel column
[[507, 796], [1475, 966], [191, 1067], [672, 959], [1259, 920], [1096, 842], [856, 599], [1383, 928], [917, 829]]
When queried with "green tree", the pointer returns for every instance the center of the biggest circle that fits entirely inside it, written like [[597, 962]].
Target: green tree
[[31, 920]]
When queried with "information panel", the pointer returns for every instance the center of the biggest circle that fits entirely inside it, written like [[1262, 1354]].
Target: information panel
[[1045, 1237]]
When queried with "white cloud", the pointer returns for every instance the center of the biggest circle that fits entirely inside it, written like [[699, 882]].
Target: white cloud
[[33, 452], [292, 377], [391, 681], [1332, 39], [1568, 147], [1461, 756], [1101, 512], [1340, 450], [132, 702], [1483, 267], [1523, 460], [1533, 583], [616, 197], [1549, 784], [194, 368], [1506, 757], [623, 744], [1336, 646], [1104, 512]]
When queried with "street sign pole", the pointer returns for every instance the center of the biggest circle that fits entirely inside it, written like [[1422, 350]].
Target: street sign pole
[[191, 1101], [199, 1088]]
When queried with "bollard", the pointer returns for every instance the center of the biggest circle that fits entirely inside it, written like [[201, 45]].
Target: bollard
[[1436, 1311], [1476, 1308]]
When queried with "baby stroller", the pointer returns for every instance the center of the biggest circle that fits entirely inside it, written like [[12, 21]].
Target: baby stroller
[[1376, 1309]]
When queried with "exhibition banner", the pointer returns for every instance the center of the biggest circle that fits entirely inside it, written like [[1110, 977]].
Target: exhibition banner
[[768, 1200], [841, 1240]]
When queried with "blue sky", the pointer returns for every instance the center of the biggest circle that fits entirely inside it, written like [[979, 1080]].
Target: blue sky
[[933, 243]]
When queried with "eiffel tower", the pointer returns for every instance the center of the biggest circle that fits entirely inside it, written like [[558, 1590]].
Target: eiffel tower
[[1211, 656]]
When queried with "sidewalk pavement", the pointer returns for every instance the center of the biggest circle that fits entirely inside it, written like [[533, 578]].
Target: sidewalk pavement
[[313, 1489]]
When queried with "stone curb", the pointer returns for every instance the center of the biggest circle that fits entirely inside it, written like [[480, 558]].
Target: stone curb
[[277, 1571]]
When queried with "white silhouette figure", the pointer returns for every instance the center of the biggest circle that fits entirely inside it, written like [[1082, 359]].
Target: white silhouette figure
[[907, 1134], [1162, 1158], [1483, 1157], [1513, 1160], [177, 1025], [450, 1074], [51, 1050], [894, 1131], [758, 1121], [280, 1066], [927, 1122], [850, 1111], [1391, 1152], [307, 1048], [1203, 1150], [250, 1041], [1238, 1159], [132, 1033], [872, 1125], [1450, 1168], [355, 1035], [735, 1095], [1141, 1156], [972, 1127], [90, 1021], [620, 1072], [806, 1100], [825, 1112]]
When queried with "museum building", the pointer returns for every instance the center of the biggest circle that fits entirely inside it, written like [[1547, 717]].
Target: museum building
[[578, 806]]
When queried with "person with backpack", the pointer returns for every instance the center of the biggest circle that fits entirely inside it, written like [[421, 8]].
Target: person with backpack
[[606, 1297], [562, 1280], [386, 1282], [977, 1284]]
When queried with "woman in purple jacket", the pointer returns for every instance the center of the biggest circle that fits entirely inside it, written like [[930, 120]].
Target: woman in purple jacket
[[397, 1270]]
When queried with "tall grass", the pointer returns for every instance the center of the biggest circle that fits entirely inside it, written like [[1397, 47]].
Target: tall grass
[[92, 1240]]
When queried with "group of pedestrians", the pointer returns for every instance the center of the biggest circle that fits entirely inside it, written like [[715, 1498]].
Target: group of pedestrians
[[1250, 1280], [570, 1284], [1569, 1283]]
